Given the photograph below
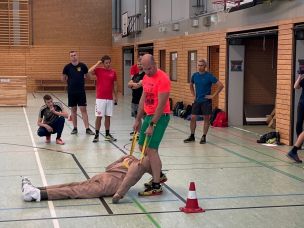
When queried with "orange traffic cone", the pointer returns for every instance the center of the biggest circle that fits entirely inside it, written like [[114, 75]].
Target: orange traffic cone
[[192, 202]]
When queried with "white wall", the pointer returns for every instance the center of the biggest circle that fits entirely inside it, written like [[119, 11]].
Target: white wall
[[278, 10], [129, 6], [164, 11], [236, 87]]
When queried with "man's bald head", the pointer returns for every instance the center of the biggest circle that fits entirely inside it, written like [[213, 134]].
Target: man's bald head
[[149, 65]]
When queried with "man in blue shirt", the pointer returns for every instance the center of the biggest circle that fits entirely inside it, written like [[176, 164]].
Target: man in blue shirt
[[202, 81]]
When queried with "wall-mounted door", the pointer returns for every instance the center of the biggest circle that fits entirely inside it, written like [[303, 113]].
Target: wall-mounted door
[[127, 63], [236, 85]]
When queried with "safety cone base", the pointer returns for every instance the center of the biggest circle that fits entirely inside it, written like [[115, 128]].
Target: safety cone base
[[191, 210]]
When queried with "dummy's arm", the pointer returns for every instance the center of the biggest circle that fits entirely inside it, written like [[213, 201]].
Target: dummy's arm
[[135, 172]]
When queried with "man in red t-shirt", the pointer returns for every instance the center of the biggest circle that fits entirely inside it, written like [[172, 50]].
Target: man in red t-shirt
[[155, 103], [106, 95], [134, 68]]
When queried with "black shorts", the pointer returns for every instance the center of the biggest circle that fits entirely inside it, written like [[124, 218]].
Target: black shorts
[[77, 99], [202, 108]]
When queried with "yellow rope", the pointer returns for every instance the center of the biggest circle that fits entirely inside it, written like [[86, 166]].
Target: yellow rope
[[126, 164], [134, 140], [142, 155]]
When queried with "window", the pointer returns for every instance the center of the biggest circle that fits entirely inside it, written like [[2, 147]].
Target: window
[[147, 13], [14, 26], [173, 66], [192, 63], [162, 60]]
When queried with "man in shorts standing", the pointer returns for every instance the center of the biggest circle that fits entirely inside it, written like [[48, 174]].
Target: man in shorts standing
[[106, 95], [155, 103], [202, 80], [74, 74]]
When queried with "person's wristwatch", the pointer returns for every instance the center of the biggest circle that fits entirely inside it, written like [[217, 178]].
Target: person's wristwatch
[[152, 124]]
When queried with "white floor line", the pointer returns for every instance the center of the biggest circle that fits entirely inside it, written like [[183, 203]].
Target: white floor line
[[251, 132], [41, 171]]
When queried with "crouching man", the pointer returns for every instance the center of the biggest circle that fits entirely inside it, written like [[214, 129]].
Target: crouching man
[[51, 119], [117, 179]]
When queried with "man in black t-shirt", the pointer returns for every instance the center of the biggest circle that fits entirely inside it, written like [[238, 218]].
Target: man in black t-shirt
[[51, 119], [136, 85], [74, 74]]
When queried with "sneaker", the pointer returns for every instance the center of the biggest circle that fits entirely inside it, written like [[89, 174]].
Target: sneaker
[[89, 132], [116, 199], [203, 140], [132, 133], [47, 139], [59, 141], [30, 193], [96, 138], [74, 132], [151, 191], [109, 137], [294, 157], [190, 139], [25, 181], [162, 179]]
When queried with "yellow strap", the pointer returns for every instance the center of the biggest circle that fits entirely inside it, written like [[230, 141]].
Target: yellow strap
[[142, 155], [134, 139], [126, 164]]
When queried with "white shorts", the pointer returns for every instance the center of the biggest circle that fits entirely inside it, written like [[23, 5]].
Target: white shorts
[[103, 107]]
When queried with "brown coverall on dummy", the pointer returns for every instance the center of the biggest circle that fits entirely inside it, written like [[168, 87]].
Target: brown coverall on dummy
[[117, 179]]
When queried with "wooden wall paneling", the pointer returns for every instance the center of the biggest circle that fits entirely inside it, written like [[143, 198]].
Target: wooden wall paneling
[[284, 80], [13, 91]]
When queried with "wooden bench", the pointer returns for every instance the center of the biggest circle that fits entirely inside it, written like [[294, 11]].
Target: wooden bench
[[58, 85], [13, 90], [257, 114]]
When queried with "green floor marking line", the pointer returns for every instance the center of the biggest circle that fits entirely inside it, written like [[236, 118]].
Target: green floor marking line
[[247, 158], [260, 163], [249, 148], [146, 213]]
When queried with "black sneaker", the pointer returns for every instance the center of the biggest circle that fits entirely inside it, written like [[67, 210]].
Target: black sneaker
[[151, 191], [109, 137], [89, 132], [96, 139], [203, 140], [163, 179], [190, 139], [294, 157], [74, 131]]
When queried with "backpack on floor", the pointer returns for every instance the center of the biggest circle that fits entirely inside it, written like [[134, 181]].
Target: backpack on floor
[[214, 114], [270, 136], [187, 112], [221, 120], [178, 105]]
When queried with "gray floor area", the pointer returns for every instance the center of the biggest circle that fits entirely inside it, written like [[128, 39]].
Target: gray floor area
[[238, 182]]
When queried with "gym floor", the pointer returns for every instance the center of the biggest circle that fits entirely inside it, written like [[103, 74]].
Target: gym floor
[[238, 182]]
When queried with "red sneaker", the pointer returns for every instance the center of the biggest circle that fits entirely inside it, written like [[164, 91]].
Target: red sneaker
[[59, 141], [47, 139]]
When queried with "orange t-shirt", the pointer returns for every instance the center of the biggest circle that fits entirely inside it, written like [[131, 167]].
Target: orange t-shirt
[[154, 85]]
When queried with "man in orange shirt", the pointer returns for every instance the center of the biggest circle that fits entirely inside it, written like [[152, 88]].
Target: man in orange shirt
[[155, 103]]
